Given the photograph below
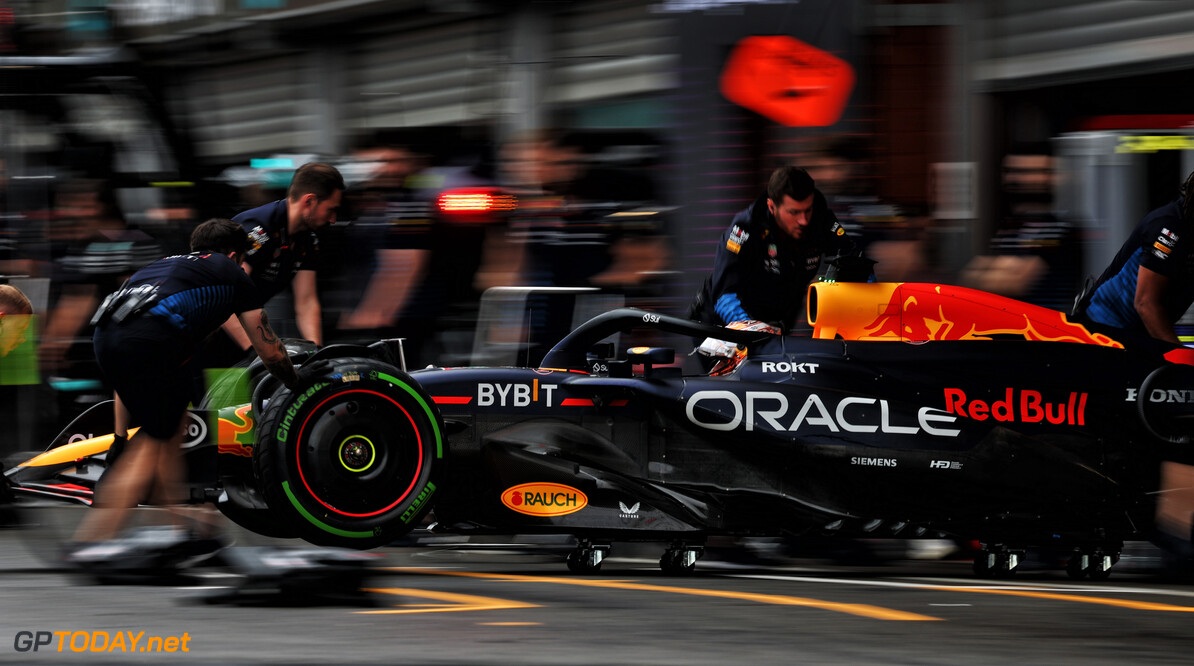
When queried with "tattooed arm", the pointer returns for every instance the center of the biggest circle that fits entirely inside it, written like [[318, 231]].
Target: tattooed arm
[[269, 347]]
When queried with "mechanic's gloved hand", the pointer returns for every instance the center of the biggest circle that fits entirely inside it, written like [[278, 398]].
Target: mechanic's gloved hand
[[730, 353], [309, 372], [753, 325], [723, 349], [716, 348]]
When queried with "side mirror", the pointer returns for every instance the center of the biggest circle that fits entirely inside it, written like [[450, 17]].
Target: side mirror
[[650, 355]]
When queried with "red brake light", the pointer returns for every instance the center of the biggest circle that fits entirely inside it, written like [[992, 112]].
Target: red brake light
[[474, 201]]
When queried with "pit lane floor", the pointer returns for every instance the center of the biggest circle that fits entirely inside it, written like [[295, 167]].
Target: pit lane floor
[[465, 603]]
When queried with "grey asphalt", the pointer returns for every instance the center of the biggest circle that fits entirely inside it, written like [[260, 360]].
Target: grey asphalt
[[468, 602]]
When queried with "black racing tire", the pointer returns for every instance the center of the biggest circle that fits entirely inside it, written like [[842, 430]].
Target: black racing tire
[[258, 520], [352, 459]]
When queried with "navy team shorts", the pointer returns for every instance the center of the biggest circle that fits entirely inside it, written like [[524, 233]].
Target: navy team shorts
[[146, 361]]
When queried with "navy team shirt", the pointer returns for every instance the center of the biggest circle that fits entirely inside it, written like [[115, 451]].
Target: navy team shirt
[[1161, 242], [275, 256], [761, 273], [198, 292]]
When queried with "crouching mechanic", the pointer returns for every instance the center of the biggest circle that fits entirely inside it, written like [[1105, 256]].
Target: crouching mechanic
[[765, 261], [146, 335]]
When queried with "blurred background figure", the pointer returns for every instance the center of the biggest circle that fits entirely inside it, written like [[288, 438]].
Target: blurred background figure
[[579, 225], [1033, 256], [894, 235], [92, 251], [386, 246], [12, 261], [901, 249], [582, 224], [429, 223], [842, 170]]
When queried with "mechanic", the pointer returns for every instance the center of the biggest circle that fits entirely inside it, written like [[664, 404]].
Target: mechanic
[[15, 311], [285, 247], [1150, 283], [767, 257], [147, 334]]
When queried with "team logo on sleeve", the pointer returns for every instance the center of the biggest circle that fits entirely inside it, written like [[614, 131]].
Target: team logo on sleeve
[[259, 236], [838, 229], [737, 237], [1165, 243]]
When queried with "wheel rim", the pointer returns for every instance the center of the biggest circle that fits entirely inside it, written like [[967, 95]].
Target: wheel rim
[[359, 453]]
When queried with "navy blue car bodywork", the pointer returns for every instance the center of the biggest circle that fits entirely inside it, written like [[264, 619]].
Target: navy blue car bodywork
[[1010, 442]]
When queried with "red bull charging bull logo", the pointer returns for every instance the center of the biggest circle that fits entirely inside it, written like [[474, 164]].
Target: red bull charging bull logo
[[916, 312], [234, 431]]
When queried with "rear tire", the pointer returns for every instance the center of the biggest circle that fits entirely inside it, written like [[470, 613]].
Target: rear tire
[[353, 459]]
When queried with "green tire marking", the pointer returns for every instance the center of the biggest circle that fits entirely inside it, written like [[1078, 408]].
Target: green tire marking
[[319, 523], [439, 439]]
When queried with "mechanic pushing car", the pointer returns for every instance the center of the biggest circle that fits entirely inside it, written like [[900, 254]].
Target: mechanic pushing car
[[1150, 283], [147, 334], [767, 257], [285, 247]]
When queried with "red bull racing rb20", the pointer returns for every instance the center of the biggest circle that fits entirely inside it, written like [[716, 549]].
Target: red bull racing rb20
[[912, 410]]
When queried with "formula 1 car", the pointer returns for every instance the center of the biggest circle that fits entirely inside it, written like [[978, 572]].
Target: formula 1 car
[[911, 410]]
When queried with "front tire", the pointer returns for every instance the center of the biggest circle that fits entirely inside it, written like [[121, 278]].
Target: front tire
[[352, 459]]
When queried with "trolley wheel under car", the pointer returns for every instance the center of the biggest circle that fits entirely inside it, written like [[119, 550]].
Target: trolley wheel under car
[[1095, 564], [678, 562], [587, 558], [997, 562], [352, 459]]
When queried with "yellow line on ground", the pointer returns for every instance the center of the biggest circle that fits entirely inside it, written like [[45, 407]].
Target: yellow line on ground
[[452, 602], [862, 610], [1121, 603]]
